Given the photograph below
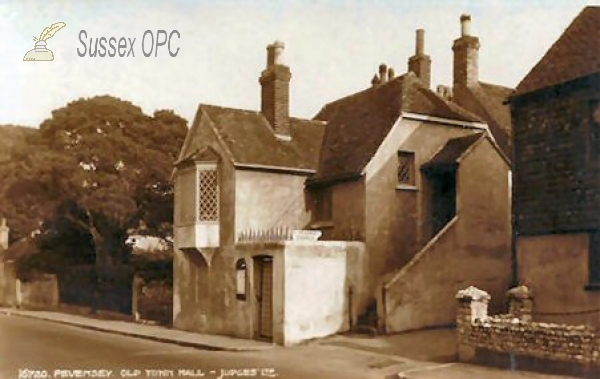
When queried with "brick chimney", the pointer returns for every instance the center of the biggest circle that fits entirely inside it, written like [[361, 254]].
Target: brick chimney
[[420, 63], [275, 99], [4, 229], [466, 55]]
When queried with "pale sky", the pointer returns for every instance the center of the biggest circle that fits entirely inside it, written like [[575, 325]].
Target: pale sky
[[333, 48]]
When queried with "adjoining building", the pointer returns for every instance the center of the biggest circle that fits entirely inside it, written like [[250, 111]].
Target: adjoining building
[[556, 194]]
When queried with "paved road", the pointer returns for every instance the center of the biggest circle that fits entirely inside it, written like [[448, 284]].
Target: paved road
[[29, 344]]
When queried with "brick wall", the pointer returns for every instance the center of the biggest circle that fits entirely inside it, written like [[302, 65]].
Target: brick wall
[[275, 102], [526, 344], [555, 175], [466, 61]]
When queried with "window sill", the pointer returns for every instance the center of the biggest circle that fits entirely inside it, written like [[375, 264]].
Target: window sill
[[592, 287], [407, 187], [321, 225]]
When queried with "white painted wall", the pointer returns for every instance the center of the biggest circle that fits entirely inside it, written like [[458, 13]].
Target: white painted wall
[[315, 294], [266, 200]]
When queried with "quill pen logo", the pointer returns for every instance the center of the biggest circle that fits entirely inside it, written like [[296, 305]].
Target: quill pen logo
[[40, 52]]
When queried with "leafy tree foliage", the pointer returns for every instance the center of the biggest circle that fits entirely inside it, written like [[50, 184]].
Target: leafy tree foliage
[[99, 166]]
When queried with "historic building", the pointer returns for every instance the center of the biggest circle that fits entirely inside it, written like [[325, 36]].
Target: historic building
[[407, 190], [556, 201]]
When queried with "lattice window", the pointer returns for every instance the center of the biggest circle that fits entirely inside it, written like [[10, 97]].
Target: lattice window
[[208, 195], [406, 168]]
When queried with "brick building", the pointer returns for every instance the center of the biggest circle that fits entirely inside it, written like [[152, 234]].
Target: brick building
[[556, 194]]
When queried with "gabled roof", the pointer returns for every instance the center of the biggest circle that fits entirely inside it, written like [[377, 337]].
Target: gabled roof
[[491, 103], [358, 124], [452, 151], [249, 137], [573, 55], [456, 149]]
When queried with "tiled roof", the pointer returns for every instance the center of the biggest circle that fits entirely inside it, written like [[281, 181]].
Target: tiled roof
[[358, 124], [574, 55], [251, 141], [494, 109], [453, 150]]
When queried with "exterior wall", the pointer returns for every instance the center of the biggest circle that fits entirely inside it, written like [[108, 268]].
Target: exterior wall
[[396, 216], [152, 301], [315, 297], [303, 274], [190, 267], [514, 341], [39, 293], [557, 196], [8, 279], [265, 200], [556, 171], [473, 248], [555, 267], [347, 212]]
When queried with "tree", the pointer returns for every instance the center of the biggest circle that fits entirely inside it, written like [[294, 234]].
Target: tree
[[16, 143], [102, 166]]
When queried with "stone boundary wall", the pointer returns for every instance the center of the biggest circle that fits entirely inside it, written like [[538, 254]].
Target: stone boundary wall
[[8, 279], [514, 339], [41, 293], [152, 301]]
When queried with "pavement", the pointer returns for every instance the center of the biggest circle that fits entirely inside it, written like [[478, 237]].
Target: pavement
[[149, 332], [429, 345], [425, 354]]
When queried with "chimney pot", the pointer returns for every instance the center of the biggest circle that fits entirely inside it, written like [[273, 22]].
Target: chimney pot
[[465, 25], [375, 80], [420, 43], [274, 53], [383, 73], [391, 73]]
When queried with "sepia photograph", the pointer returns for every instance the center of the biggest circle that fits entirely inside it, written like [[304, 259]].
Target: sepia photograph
[[300, 189]]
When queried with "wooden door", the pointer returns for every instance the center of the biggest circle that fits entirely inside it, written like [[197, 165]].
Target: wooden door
[[265, 297]]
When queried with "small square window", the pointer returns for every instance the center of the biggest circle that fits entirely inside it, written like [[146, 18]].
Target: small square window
[[406, 168]]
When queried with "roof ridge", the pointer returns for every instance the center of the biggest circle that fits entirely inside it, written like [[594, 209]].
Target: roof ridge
[[231, 108], [399, 78], [496, 85], [255, 112]]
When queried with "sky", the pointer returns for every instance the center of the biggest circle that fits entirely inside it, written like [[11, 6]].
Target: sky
[[333, 48]]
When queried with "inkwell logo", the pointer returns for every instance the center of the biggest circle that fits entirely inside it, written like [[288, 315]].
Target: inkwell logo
[[40, 52]]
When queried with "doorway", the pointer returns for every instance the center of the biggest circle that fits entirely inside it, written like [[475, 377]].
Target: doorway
[[443, 198], [264, 296]]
